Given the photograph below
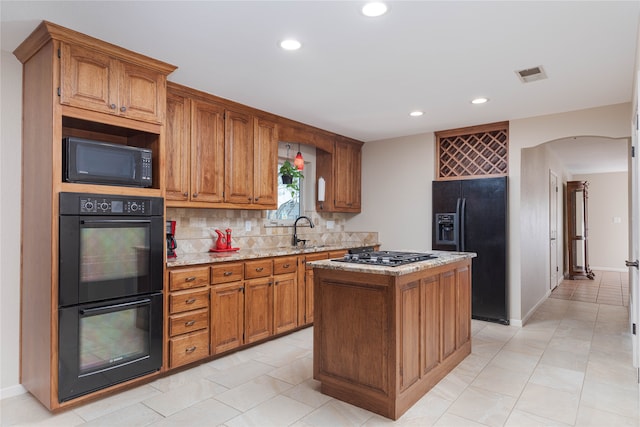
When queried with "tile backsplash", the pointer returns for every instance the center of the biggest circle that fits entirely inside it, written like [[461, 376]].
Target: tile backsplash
[[195, 229]]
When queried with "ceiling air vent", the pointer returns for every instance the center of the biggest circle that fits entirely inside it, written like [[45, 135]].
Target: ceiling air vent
[[531, 74]]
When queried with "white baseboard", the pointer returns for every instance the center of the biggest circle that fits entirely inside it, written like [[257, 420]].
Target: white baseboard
[[14, 390], [526, 317]]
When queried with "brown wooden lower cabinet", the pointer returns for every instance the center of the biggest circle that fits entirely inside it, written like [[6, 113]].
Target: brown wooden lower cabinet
[[382, 341], [258, 306], [227, 317]]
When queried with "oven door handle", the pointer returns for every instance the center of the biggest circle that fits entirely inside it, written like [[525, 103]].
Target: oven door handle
[[114, 307], [114, 221]]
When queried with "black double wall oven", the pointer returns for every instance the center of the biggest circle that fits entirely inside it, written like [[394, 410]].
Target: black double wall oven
[[110, 290]]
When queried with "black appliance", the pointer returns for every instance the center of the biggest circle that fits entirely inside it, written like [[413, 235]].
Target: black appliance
[[471, 215], [110, 290], [388, 258], [95, 162]]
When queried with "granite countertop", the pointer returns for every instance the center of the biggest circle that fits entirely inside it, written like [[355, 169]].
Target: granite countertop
[[246, 254], [443, 258]]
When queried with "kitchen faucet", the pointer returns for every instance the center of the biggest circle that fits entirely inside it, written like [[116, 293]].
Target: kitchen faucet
[[295, 240]]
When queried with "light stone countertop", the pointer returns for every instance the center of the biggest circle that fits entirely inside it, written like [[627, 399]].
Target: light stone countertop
[[247, 254], [443, 258]]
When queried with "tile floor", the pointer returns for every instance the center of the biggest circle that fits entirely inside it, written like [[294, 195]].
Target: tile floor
[[607, 287], [570, 365]]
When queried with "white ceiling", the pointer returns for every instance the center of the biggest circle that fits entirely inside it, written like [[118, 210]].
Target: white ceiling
[[359, 76]]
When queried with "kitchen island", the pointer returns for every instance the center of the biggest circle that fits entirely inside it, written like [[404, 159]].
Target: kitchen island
[[385, 335]]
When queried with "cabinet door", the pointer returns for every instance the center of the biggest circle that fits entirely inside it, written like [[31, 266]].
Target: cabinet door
[[88, 79], [177, 147], [207, 152], [448, 291], [227, 317], [258, 312], [347, 158], [430, 323], [265, 162], [308, 285], [463, 315], [238, 181], [409, 316], [285, 303], [141, 93]]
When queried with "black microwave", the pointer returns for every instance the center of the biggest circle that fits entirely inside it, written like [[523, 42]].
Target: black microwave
[[95, 162]]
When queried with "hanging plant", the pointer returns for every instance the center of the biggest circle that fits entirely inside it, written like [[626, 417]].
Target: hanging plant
[[289, 172]]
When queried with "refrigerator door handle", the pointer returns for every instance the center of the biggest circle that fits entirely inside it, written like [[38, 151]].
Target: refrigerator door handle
[[457, 226], [463, 212]]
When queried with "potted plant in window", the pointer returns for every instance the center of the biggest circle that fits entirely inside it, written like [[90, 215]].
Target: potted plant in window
[[288, 172]]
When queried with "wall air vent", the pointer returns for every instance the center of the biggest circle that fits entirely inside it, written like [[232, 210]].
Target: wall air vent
[[531, 74]]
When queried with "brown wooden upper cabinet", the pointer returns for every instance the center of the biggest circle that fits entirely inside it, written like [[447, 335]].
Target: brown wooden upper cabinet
[[94, 80], [218, 155], [342, 173]]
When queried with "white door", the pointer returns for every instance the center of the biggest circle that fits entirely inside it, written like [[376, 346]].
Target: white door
[[553, 230], [634, 238]]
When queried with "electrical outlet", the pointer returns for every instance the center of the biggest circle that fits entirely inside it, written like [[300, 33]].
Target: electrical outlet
[[330, 224], [247, 226]]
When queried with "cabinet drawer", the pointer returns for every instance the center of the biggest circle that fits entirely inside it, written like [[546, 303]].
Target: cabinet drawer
[[225, 273], [188, 348], [188, 300], [188, 322], [285, 265], [260, 268], [186, 278]]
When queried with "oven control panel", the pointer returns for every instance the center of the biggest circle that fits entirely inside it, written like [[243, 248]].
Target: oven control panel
[[113, 206], [106, 204]]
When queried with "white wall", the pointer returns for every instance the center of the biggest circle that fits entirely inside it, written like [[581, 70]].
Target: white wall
[[396, 192], [10, 202], [536, 162], [608, 240]]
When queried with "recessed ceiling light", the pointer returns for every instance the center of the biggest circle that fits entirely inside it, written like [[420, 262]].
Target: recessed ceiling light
[[479, 100], [374, 9], [416, 113], [290, 44]]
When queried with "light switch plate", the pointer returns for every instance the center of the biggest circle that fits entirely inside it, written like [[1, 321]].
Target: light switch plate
[[247, 226]]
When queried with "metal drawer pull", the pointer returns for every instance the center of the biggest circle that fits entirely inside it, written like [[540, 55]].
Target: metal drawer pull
[[285, 266], [228, 273], [190, 349], [190, 323], [259, 269], [190, 279], [190, 301]]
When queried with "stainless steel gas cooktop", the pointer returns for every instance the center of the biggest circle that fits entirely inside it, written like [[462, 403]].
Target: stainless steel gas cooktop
[[388, 258]]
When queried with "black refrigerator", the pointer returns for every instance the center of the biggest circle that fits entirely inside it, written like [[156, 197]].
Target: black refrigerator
[[471, 216]]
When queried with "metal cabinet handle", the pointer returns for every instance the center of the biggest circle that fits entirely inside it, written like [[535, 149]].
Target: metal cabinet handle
[[635, 263], [195, 194], [190, 323], [185, 194], [190, 301], [190, 279], [256, 199], [285, 266], [190, 349], [112, 106], [259, 269], [123, 108], [227, 273]]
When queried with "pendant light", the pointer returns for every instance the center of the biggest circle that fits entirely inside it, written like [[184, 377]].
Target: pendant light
[[299, 161]]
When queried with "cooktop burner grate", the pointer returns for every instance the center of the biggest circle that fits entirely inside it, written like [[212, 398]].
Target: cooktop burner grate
[[388, 258]]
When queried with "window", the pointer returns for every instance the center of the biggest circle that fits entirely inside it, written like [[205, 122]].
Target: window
[[289, 201]]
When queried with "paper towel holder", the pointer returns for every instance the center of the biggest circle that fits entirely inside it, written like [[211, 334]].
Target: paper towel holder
[[321, 192]]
